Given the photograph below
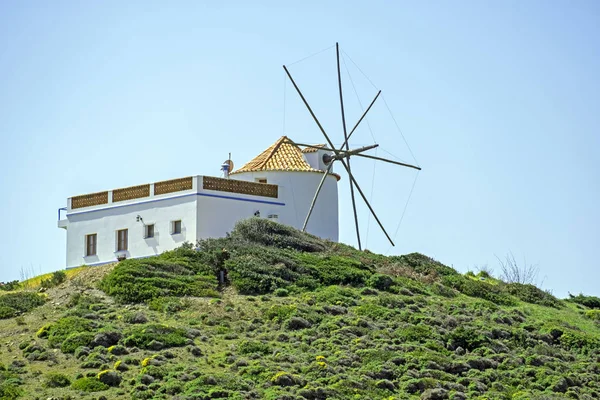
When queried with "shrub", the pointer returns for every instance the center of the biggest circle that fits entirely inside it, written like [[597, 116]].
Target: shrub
[[588, 301], [10, 286], [9, 390], [174, 273], [579, 341], [424, 265], [251, 274], [56, 380], [466, 337], [531, 294], [335, 270], [251, 347], [415, 333], [56, 279], [593, 314], [381, 282], [63, 328], [143, 335], [483, 290], [281, 292], [89, 384], [75, 340], [168, 305], [280, 313], [14, 304], [296, 323], [269, 233]]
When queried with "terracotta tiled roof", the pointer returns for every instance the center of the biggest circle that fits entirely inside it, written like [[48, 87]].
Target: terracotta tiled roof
[[312, 149], [283, 155]]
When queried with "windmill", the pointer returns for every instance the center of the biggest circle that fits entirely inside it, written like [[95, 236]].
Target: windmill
[[344, 153]]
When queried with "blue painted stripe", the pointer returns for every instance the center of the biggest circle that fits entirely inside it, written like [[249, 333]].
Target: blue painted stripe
[[177, 197], [241, 199]]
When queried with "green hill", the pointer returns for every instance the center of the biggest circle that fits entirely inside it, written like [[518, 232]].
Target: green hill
[[298, 318]]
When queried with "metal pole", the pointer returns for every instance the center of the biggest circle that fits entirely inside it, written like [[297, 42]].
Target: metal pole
[[310, 110], [337, 53], [314, 200], [389, 161], [361, 118]]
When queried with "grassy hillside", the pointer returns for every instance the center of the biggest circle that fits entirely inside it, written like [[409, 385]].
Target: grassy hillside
[[299, 318]]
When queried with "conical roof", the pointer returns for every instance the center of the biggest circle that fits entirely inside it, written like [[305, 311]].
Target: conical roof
[[283, 155]]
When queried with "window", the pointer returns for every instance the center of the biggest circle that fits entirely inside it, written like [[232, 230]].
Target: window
[[261, 180], [122, 240], [149, 231], [90, 245], [176, 228]]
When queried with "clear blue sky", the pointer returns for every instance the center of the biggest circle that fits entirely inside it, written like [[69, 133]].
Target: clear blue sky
[[499, 101]]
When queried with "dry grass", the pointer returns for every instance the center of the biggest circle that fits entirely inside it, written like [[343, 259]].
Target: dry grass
[[35, 282]]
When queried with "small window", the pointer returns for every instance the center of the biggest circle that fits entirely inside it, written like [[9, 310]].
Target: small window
[[122, 240], [149, 231], [261, 180], [90, 245], [176, 228]]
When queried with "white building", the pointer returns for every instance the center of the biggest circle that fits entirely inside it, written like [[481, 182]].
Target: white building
[[145, 220]]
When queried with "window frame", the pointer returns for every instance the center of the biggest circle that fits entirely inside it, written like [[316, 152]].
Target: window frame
[[146, 235], [174, 223], [93, 244], [125, 240]]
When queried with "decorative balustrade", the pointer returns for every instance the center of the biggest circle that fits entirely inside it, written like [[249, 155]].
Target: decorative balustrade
[[241, 187], [130, 193], [173, 185], [88, 200]]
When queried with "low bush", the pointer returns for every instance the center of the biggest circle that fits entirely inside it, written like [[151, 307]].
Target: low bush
[[424, 265], [588, 301], [9, 390], [466, 337], [143, 335], [593, 314], [482, 290], [380, 282], [174, 273], [252, 347], [9, 286], [89, 384], [335, 270], [168, 304], [15, 304], [268, 233], [56, 279], [59, 331], [579, 341], [532, 294], [55, 380], [75, 340]]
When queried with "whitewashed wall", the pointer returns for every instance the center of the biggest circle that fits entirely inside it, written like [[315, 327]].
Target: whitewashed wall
[[296, 190], [105, 223], [204, 213], [218, 212]]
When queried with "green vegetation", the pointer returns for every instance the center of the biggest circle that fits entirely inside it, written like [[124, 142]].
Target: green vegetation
[[299, 318], [56, 279], [10, 286], [173, 273], [14, 304], [89, 385]]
